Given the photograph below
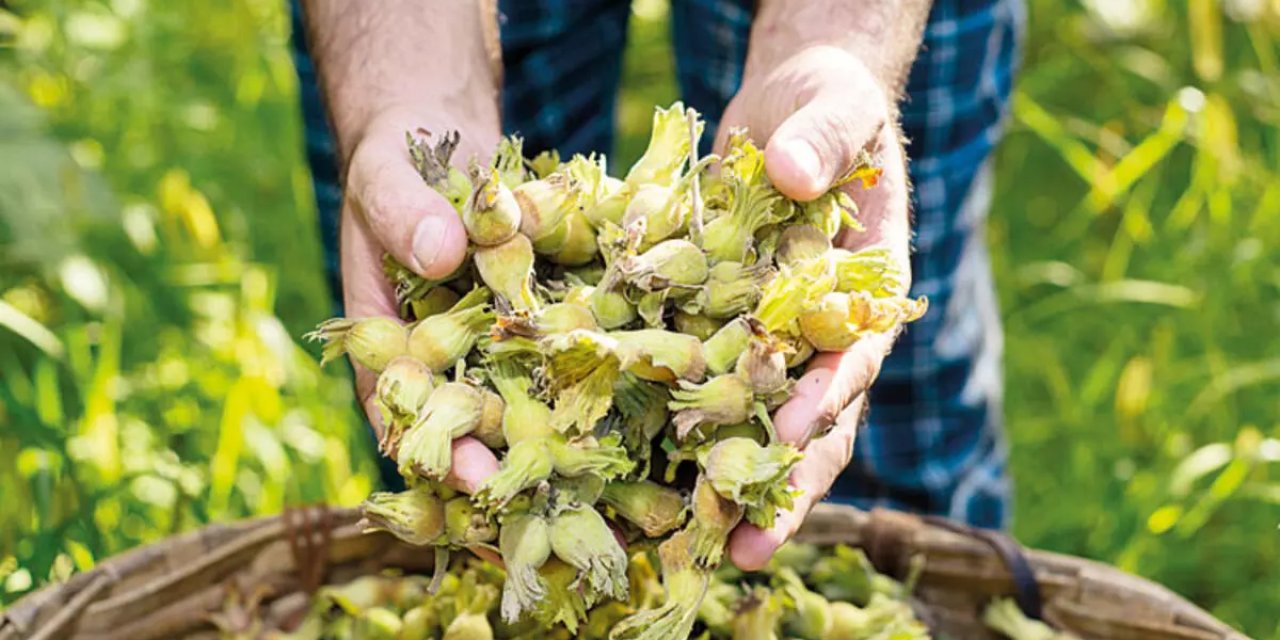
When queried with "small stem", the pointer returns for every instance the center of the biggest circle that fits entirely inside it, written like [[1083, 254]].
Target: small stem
[[695, 191], [762, 412], [438, 571]]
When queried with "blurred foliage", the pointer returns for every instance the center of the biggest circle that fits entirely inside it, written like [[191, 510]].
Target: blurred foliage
[[149, 283], [1134, 239], [151, 199]]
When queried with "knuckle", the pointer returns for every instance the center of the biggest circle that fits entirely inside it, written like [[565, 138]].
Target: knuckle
[[377, 200], [868, 371]]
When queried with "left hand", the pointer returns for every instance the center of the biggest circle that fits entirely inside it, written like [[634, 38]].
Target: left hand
[[817, 108]]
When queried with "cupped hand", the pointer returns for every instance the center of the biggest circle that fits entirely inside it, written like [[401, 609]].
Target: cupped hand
[[388, 209], [817, 109]]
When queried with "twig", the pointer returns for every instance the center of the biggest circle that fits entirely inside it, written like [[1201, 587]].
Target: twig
[[695, 215]]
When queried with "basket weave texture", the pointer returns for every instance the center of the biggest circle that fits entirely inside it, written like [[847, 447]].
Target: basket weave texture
[[169, 589]]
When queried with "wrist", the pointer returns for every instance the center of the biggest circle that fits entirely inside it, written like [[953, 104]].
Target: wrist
[[883, 36], [393, 56]]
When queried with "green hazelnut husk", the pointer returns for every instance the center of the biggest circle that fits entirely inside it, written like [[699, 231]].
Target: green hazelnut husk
[[670, 264], [524, 417], [655, 508], [527, 463], [612, 202], [578, 246], [489, 429], [751, 475], [697, 325], [441, 340], [378, 623], [764, 365], [564, 317], [732, 237], [415, 516], [402, 390], [760, 615], [507, 269], [802, 243], [491, 215], [724, 399], [726, 345], [659, 355], [684, 584], [453, 410], [668, 150], [580, 537], [714, 517], [508, 161], [465, 525], [731, 290], [611, 308], [545, 163], [371, 342], [438, 300], [545, 203], [525, 543]]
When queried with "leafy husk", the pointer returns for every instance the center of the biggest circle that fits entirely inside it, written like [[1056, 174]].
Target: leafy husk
[[525, 543], [453, 410], [507, 269], [371, 342], [491, 215], [724, 399], [402, 390], [754, 476], [440, 341], [415, 515], [654, 508], [580, 537]]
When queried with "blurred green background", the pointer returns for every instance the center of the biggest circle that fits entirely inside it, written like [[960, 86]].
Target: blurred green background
[[157, 265]]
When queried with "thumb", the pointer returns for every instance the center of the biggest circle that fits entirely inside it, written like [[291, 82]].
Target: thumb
[[416, 225], [818, 143]]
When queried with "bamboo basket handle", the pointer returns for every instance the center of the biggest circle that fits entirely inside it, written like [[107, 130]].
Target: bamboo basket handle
[[1026, 589], [71, 612], [889, 543]]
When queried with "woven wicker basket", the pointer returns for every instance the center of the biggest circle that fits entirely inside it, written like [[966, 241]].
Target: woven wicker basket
[[169, 589]]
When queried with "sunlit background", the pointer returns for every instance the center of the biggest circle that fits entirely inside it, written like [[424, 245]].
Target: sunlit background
[[153, 284]]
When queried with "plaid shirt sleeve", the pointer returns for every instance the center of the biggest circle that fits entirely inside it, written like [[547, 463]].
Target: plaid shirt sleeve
[[933, 441]]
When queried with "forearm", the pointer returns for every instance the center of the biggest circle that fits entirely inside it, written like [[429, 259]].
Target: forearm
[[884, 35], [402, 55]]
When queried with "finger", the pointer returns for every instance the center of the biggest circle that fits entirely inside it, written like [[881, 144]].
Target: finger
[[412, 222], [487, 554], [883, 210], [366, 385], [472, 464], [831, 381], [366, 293], [729, 120], [751, 547], [819, 142]]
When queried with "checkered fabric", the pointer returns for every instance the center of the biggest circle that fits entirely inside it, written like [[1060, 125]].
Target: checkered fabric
[[933, 440]]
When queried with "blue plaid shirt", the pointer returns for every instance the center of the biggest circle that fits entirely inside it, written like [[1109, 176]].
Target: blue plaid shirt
[[933, 442]]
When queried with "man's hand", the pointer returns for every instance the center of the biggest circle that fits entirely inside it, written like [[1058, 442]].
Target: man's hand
[[388, 68], [387, 208], [820, 85]]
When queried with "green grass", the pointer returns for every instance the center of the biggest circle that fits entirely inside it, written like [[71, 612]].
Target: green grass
[[156, 255]]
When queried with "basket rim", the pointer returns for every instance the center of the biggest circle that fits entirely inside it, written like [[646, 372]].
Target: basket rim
[[1077, 589]]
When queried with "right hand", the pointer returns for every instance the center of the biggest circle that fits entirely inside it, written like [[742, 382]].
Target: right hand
[[387, 208]]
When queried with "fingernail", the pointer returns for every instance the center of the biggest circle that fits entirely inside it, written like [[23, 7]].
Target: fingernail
[[427, 238], [805, 158]]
